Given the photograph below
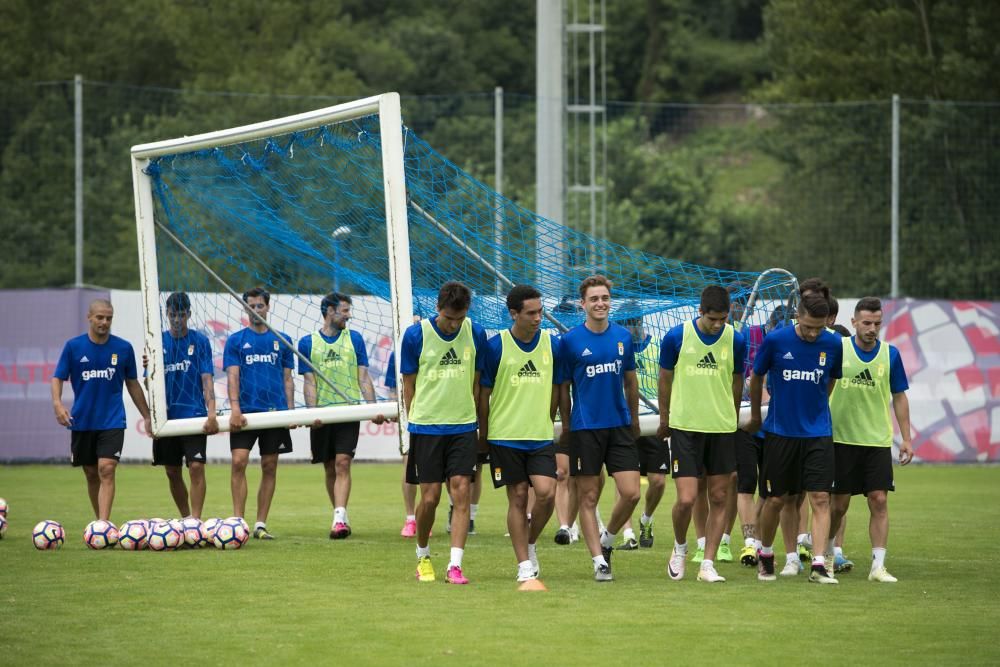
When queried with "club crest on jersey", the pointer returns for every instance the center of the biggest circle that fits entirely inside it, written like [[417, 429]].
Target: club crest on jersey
[[190, 350], [275, 346], [822, 358], [621, 348], [114, 359]]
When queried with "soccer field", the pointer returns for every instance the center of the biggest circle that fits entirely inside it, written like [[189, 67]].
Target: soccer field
[[305, 599]]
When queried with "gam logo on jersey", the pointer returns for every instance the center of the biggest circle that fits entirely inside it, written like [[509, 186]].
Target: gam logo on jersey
[[179, 367], [815, 376], [610, 367], [101, 373], [252, 359]]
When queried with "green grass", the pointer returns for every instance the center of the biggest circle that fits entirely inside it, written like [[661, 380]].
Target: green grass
[[306, 599]]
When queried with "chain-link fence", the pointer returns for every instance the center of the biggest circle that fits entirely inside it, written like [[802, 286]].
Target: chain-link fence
[[743, 187]]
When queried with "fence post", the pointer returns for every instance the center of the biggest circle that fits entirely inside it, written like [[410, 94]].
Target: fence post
[[894, 287], [78, 176]]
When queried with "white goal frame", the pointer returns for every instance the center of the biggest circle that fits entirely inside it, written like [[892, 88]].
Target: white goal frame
[[387, 107]]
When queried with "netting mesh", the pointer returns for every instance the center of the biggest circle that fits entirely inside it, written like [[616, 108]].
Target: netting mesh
[[304, 213]]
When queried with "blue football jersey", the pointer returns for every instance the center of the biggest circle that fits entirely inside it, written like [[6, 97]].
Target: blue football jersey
[[262, 359], [97, 374], [185, 360], [596, 365]]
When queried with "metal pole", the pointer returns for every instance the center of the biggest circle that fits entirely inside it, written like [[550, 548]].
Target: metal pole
[[894, 287], [78, 175], [498, 186], [550, 96]]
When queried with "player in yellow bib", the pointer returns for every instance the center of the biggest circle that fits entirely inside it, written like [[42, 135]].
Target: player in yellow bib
[[700, 388], [440, 360], [873, 380], [339, 355], [519, 394]]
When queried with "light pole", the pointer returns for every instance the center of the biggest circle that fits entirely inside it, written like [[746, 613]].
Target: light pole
[[337, 235]]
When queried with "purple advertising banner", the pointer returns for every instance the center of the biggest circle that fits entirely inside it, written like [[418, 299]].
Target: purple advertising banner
[[32, 335]]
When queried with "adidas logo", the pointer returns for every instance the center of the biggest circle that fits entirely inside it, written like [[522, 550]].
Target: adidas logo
[[586, 352], [864, 377], [118, 453], [84, 359], [788, 355], [246, 346], [331, 355], [663, 466], [450, 358], [529, 370], [708, 361], [198, 455]]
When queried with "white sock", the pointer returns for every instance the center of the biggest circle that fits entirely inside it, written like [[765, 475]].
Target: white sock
[[749, 542], [758, 545], [532, 553], [878, 557], [792, 558], [411, 517], [801, 538], [529, 517], [838, 551], [629, 534], [473, 509], [681, 549], [526, 566], [259, 524], [725, 538], [818, 560], [766, 551], [701, 543], [340, 515], [705, 564], [423, 551], [598, 561], [564, 527], [456, 557], [645, 519], [607, 539]]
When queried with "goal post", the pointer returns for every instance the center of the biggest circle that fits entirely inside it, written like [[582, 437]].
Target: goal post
[[319, 215]]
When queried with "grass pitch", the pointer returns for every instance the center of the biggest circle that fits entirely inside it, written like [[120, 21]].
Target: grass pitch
[[305, 599]]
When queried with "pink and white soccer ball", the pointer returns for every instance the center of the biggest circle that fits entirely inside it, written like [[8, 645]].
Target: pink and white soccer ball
[[132, 535], [164, 536], [3, 508], [194, 533], [209, 527], [3, 526], [48, 535], [232, 533], [100, 534]]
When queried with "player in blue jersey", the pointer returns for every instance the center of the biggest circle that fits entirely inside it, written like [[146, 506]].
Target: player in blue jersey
[[98, 365], [801, 363], [259, 374], [874, 380], [599, 369], [188, 376], [338, 355], [518, 398], [441, 360]]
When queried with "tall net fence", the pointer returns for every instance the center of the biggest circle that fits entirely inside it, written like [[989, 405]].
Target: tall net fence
[[807, 187]]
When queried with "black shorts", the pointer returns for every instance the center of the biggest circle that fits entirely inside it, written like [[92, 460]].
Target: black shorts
[[749, 461], [271, 440], [483, 458], [328, 440], [88, 446], [697, 454], [654, 455], [513, 466], [613, 448], [178, 449], [794, 465], [860, 469], [435, 458]]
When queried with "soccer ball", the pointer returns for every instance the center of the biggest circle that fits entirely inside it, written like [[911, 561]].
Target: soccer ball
[[164, 536], [48, 535], [100, 534], [3, 508], [231, 533], [194, 532], [209, 528], [132, 535], [3, 526]]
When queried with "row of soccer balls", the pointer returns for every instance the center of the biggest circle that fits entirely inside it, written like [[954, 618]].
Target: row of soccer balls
[[155, 534]]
